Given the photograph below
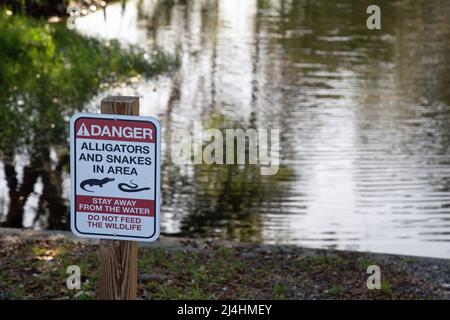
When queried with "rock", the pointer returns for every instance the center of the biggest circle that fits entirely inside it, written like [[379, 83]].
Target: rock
[[248, 255], [152, 277], [264, 250]]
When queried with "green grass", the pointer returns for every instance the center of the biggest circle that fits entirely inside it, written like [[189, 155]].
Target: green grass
[[225, 251], [411, 260], [84, 296], [303, 265], [386, 287], [325, 260], [310, 263], [337, 290], [196, 278], [212, 273], [279, 291], [364, 263], [19, 293]]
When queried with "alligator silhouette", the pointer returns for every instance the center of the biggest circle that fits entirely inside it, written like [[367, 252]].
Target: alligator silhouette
[[94, 182], [131, 188]]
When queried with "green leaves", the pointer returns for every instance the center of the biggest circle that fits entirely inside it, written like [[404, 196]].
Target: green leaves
[[48, 72]]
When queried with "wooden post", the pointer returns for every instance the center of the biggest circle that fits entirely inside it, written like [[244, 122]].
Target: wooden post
[[118, 259]]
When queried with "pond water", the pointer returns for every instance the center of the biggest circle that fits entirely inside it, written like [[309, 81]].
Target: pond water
[[364, 118]]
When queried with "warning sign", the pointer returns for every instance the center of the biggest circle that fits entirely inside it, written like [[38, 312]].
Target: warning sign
[[115, 175]]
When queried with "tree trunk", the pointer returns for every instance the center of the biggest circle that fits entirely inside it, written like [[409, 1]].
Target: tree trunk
[[18, 195]]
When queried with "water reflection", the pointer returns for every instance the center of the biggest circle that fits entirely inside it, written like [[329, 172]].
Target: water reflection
[[364, 117]]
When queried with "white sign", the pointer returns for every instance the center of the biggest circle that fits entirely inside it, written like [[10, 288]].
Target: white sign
[[115, 174]]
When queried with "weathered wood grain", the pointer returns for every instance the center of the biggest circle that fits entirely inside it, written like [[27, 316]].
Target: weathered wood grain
[[118, 259]]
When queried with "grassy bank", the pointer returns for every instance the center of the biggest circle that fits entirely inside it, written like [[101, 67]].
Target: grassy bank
[[35, 268]]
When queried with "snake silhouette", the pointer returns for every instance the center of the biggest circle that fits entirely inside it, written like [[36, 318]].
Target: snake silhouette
[[132, 187]]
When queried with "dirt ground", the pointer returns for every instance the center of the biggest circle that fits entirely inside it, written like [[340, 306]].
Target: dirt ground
[[33, 265]]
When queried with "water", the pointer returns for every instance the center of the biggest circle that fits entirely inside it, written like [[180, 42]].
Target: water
[[364, 118]]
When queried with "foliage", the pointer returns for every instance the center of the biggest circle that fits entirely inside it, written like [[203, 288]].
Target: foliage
[[48, 72], [337, 290]]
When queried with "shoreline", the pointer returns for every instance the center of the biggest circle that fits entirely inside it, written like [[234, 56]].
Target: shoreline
[[167, 242], [183, 268]]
